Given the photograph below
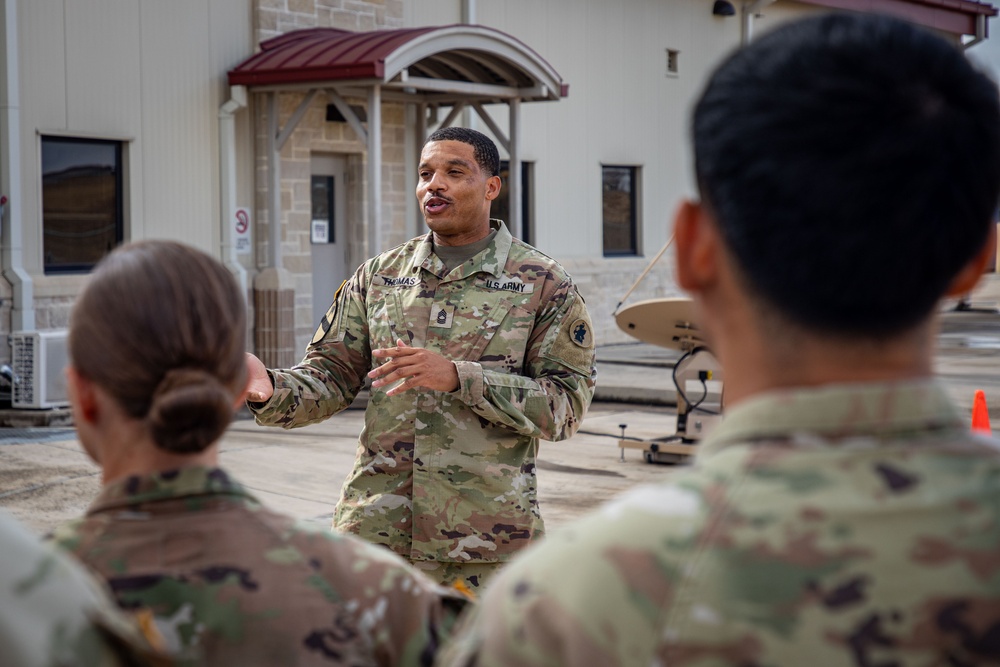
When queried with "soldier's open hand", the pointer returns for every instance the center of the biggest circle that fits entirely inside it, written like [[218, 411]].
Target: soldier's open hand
[[413, 367], [259, 388]]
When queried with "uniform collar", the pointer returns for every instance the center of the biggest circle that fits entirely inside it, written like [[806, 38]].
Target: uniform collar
[[491, 260], [886, 411], [166, 485]]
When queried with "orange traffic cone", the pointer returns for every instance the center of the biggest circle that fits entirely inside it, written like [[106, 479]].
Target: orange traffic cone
[[980, 415]]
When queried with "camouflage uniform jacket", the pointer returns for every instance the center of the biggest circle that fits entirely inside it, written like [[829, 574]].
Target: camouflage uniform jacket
[[53, 613], [845, 525], [449, 476], [242, 585]]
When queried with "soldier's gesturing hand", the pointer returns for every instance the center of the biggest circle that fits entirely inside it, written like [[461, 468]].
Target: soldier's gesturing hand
[[415, 367], [259, 387]]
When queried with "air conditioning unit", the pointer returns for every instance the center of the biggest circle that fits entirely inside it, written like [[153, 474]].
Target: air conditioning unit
[[39, 360]]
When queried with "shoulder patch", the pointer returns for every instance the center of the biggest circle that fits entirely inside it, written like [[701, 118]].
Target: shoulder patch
[[327, 322], [580, 333]]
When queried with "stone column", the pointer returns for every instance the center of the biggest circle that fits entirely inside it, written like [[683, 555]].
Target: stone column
[[274, 315]]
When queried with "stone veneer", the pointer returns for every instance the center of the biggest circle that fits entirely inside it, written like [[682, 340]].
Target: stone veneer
[[314, 135]]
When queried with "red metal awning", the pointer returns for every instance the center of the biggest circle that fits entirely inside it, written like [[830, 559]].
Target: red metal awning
[[460, 54], [958, 17]]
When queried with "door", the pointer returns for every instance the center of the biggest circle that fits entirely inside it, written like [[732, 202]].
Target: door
[[328, 236]]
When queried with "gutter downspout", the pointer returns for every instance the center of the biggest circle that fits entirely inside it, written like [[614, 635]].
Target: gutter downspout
[[227, 182], [981, 32], [469, 12], [749, 10], [12, 233]]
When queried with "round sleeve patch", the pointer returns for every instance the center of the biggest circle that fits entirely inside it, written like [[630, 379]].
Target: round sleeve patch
[[581, 334]]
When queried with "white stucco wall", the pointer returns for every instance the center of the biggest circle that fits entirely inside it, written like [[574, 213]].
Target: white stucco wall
[[150, 74]]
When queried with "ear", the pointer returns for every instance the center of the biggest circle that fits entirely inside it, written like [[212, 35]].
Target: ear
[[82, 395], [965, 280], [492, 188], [697, 247]]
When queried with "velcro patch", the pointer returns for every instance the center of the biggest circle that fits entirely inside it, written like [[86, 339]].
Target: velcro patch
[[442, 316], [581, 334], [326, 323], [516, 286], [396, 281]]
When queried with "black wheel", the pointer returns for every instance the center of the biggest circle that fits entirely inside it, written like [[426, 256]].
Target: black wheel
[[649, 457]]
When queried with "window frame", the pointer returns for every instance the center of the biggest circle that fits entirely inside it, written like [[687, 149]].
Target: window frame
[[634, 219], [527, 189], [330, 183], [119, 146]]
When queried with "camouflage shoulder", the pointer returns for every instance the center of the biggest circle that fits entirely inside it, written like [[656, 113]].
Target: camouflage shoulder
[[53, 612], [521, 251], [67, 535], [401, 251], [570, 341], [607, 608]]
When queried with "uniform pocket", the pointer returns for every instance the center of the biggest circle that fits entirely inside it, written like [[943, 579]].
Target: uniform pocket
[[487, 333], [385, 317]]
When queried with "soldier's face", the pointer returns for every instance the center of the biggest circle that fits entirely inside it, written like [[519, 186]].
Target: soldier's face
[[454, 193]]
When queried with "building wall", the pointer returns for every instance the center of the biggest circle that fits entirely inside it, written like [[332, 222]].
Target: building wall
[[149, 73], [623, 108], [153, 74]]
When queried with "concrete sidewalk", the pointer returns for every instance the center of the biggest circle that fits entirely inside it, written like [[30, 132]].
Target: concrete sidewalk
[[46, 479]]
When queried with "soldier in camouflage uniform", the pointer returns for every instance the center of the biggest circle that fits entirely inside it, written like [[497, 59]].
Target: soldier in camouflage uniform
[[172, 533], [53, 614], [843, 513], [478, 345]]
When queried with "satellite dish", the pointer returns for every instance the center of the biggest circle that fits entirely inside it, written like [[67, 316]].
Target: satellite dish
[[669, 323]]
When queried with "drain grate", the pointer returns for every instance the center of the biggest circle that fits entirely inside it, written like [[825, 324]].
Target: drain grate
[[20, 436]]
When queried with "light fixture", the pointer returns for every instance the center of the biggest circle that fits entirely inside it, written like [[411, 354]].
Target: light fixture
[[723, 8]]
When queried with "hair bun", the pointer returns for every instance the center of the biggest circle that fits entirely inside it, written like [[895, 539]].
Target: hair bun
[[189, 411]]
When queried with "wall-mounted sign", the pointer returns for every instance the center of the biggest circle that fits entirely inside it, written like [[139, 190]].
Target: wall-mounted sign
[[241, 231], [320, 231]]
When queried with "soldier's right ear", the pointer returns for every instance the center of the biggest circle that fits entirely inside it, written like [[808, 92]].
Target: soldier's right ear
[[82, 398], [697, 247]]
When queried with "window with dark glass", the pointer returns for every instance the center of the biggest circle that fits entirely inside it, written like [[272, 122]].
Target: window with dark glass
[[619, 212], [322, 209], [500, 208], [82, 218]]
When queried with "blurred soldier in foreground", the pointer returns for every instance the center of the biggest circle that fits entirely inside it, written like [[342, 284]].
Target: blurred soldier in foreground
[[478, 344], [843, 513], [157, 364], [52, 614]]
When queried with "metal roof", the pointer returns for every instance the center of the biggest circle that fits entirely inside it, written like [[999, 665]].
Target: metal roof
[[959, 17], [467, 60]]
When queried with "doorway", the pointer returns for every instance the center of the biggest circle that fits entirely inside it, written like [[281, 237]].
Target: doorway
[[327, 229]]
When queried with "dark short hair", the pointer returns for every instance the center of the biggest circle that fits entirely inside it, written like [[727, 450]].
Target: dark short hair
[[483, 148], [852, 163], [161, 327]]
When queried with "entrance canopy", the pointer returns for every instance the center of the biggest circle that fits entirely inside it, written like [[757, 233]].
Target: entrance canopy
[[457, 66], [445, 63]]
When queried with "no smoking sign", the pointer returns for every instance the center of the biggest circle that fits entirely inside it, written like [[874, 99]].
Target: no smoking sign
[[241, 227]]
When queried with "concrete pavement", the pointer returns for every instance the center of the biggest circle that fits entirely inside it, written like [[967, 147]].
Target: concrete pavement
[[45, 478]]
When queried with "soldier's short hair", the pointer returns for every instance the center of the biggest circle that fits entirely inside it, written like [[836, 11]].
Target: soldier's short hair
[[852, 163], [483, 148]]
